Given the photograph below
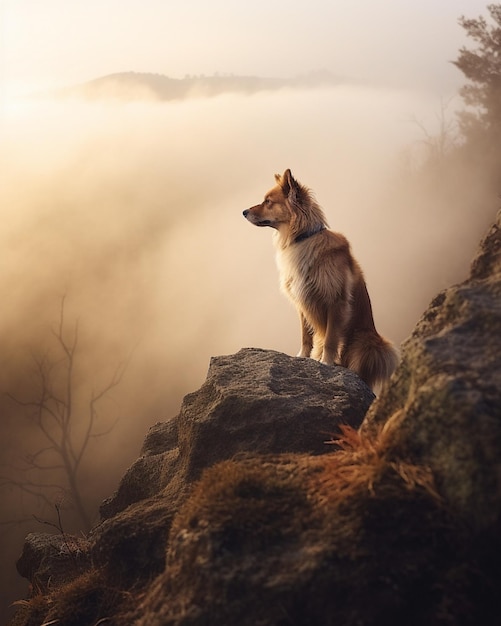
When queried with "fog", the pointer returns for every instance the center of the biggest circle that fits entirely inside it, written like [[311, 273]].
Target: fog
[[133, 212]]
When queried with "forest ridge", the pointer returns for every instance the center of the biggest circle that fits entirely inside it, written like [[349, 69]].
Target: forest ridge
[[137, 85]]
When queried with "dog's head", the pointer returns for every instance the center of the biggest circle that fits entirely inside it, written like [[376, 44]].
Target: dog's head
[[288, 207], [274, 210]]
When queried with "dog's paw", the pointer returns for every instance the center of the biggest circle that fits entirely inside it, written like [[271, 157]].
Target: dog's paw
[[303, 354], [329, 361]]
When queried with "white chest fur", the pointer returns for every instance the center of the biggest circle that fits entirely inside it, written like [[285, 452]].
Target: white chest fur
[[308, 272], [295, 266]]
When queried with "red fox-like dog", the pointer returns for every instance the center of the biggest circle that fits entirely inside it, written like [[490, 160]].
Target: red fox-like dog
[[325, 283]]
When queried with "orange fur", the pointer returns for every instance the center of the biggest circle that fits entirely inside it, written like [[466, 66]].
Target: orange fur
[[325, 283]]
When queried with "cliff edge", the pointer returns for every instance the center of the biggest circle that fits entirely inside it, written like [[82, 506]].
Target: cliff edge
[[278, 497]]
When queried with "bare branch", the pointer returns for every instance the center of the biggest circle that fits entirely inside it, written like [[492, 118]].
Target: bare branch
[[95, 398], [107, 431], [54, 413], [33, 462], [32, 489]]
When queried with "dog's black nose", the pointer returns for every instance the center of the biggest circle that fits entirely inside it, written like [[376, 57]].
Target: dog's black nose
[[245, 212]]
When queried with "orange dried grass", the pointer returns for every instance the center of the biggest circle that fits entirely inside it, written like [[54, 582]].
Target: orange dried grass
[[366, 463]]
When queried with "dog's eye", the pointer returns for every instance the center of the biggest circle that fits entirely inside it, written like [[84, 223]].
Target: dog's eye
[[267, 201]]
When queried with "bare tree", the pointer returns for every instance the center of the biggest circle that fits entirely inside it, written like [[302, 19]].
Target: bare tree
[[66, 424], [437, 145]]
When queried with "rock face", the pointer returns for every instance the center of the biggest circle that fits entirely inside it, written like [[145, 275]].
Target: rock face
[[238, 512], [443, 409]]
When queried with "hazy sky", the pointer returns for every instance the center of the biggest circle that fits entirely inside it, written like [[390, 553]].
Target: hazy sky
[[47, 42]]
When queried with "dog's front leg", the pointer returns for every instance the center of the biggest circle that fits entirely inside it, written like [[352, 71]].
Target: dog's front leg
[[331, 341], [306, 337]]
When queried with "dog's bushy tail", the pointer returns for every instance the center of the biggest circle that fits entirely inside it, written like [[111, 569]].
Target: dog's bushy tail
[[371, 356]]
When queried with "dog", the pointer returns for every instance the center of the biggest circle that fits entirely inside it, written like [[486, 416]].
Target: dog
[[325, 283]]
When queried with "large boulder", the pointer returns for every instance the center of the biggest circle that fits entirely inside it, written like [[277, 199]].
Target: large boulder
[[254, 402]]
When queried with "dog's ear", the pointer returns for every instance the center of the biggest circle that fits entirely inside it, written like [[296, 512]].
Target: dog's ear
[[286, 182]]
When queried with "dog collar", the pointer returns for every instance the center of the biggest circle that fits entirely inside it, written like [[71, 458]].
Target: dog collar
[[308, 234]]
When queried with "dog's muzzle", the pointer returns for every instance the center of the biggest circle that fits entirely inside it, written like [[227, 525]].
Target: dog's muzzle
[[252, 218]]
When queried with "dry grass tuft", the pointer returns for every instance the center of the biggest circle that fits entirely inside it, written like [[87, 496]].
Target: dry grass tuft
[[365, 462], [87, 600]]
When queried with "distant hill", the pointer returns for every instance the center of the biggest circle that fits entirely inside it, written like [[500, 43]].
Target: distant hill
[[140, 86]]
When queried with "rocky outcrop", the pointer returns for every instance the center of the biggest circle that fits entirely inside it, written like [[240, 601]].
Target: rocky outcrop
[[53, 559], [443, 409], [253, 402], [238, 512]]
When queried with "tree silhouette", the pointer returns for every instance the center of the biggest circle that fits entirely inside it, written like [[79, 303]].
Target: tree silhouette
[[482, 67], [65, 423]]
